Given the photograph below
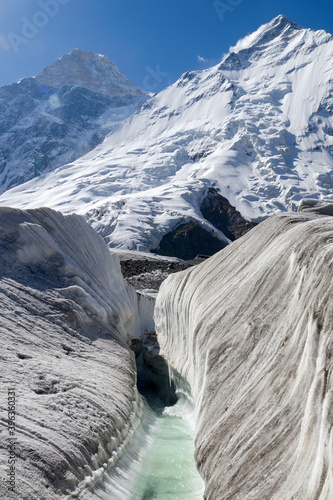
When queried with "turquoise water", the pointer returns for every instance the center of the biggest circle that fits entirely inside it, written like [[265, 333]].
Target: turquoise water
[[168, 469], [159, 463]]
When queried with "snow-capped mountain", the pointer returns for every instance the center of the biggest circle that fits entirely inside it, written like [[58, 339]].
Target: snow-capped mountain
[[258, 128], [61, 114], [91, 71]]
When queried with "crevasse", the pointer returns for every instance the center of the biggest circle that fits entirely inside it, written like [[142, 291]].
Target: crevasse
[[157, 461]]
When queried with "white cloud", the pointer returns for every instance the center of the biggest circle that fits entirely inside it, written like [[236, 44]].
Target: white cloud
[[201, 59]]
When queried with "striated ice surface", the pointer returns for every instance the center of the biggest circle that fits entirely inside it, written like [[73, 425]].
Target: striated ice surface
[[65, 323], [250, 329], [324, 207]]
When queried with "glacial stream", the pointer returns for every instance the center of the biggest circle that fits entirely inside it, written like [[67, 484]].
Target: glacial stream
[[159, 463]]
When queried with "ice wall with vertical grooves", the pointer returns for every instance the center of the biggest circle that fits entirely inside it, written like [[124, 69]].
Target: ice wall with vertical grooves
[[251, 331], [66, 317]]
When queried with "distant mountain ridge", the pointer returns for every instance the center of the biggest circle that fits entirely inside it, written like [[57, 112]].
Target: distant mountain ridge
[[257, 128], [91, 71], [61, 114]]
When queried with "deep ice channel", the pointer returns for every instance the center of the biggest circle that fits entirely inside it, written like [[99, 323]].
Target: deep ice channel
[[159, 462]]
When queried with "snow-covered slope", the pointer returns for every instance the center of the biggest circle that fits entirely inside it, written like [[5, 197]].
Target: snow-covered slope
[[61, 114], [250, 329], [66, 319], [258, 126]]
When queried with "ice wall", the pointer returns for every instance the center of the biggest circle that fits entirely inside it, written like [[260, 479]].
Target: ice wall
[[251, 331], [66, 318]]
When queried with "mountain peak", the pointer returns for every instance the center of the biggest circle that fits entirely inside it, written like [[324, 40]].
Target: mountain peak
[[89, 70], [280, 25], [282, 20]]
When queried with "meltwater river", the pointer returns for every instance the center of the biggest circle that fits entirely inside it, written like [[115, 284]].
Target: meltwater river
[[159, 463]]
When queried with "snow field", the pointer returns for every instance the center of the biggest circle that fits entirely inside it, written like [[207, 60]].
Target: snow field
[[258, 126]]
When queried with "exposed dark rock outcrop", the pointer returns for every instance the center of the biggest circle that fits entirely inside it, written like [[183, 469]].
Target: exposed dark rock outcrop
[[188, 240], [217, 210]]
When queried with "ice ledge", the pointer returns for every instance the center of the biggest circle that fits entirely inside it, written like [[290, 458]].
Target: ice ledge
[[323, 207]]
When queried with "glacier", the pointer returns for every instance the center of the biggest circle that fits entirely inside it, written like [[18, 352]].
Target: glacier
[[67, 321], [257, 127], [91, 421], [243, 339], [250, 329]]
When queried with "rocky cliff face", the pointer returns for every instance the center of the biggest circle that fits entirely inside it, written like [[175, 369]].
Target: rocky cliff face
[[217, 210], [189, 239], [67, 317], [251, 330]]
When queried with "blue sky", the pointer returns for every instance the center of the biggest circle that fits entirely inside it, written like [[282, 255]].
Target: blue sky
[[152, 41]]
